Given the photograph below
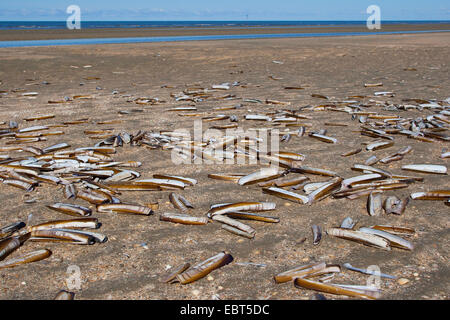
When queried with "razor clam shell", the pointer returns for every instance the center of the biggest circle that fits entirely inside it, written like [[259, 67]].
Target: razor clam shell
[[390, 203], [124, 208], [63, 235], [64, 295], [204, 268], [431, 195], [70, 191], [328, 288], [183, 219], [310, 170], [259, 176], [395, 241], [19, 184], [366, 168], [395, 230], [94, 196], [162, 183], [317, 234], [299, 271], [379, 145], [67, 224], [324, 191], [26, 258], [187, 181], [11, 228], [288, 195], [70, 209], [176, 202], [234, 223], [98, 237], [359, 236], [252, 216], [374, 204], [169, 278], [7, 246], [241, 206], [426, 168], [348, 183], [237, 231], [348, 223], [323, 138]]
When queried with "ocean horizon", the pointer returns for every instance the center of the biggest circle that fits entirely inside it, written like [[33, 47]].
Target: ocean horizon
[[39, 25]]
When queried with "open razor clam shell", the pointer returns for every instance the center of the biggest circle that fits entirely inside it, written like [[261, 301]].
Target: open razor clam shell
[[172, 276], [70, 191], [361, 237], [324, 191], [237, 231], [183, 219], [328, 288], [299, 271], [283, 182], [204, 268], [235, 224], [395, 241], [176, 202], [288, 195]]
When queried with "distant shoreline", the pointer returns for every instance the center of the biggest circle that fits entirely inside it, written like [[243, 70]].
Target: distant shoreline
[[96, 33]]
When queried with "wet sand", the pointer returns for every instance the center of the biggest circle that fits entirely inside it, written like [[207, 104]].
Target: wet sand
[[412, 66], [9, 35]]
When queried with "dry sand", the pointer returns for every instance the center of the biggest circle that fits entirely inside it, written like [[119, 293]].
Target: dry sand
[[337, 67]]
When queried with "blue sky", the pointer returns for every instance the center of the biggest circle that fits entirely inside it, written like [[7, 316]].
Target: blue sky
[[224, 9]]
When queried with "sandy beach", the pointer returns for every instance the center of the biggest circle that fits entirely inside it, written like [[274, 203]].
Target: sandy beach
[[140, 249]]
